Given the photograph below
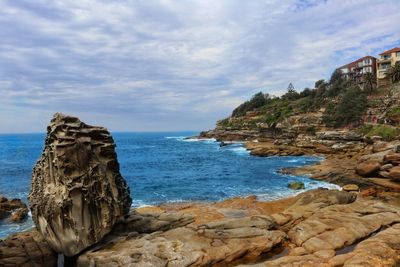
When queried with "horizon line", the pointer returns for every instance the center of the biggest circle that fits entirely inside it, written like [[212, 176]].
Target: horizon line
[[161, 131]]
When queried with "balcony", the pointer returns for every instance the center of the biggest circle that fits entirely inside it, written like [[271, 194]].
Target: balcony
[[383, 67], [384, 59]]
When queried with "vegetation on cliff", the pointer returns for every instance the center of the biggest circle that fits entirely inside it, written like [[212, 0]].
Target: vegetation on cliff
[[341, 103], [387, 132], [347, 109]]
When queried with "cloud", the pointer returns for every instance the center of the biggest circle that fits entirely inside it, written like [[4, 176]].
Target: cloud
[[173, 65]]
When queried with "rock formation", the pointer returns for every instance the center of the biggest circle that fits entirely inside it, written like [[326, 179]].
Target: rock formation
[[14, 210], [26, 249], [78, 193], [317, 228]]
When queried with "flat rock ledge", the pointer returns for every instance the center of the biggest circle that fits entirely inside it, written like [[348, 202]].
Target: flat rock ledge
[[26, 249], [78, 193], [319, 228], [316, 228]]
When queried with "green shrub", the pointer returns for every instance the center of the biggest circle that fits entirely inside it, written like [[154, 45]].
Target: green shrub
[[387, 132], [351, 106], [394, 112]]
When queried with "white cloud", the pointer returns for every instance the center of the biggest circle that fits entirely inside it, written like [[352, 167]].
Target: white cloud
[[147, 64]]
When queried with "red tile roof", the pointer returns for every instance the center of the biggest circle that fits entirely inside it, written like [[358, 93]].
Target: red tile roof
[[356, 61], [388, 52]]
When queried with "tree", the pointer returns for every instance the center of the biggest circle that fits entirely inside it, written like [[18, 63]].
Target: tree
[[291, 93], [306, 92], [336, 83], [394, 72], [336, 77], [369, 82], [329, 115], [256, 101], [351, 107], [319, 83]]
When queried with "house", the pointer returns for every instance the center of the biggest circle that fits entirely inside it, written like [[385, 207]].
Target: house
[[385, 61], [355, 70]]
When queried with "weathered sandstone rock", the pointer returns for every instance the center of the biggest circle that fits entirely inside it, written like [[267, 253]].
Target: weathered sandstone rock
[[14, 210], [386, 167], [210, 244], [368, 168], [392, 158], [77, 191], [350, 187], [317, 228], [339, 135], [330, 237], [380, 250], [378, 157], [394, 173], [26, 249], [323, 230]]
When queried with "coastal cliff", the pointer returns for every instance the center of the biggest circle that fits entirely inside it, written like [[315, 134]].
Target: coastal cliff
[[358, 136]]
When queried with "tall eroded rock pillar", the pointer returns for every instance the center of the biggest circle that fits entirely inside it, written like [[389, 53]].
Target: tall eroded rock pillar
[[77, 190]]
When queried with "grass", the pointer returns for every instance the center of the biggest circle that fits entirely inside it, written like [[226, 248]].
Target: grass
[[394, 112], [387, 132]]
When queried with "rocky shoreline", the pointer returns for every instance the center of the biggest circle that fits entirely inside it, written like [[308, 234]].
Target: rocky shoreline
[[348, 158], [79, 202]]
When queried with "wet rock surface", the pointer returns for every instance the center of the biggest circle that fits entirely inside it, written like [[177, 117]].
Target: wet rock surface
[[77, 193]]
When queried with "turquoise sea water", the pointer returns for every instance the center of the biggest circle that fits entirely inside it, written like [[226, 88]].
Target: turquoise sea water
[[163, 167]]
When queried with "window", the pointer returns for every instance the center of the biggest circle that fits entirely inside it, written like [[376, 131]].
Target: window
[[397, 54], [367, 61]]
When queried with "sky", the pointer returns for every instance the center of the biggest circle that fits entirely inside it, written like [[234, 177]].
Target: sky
[[171, 65]]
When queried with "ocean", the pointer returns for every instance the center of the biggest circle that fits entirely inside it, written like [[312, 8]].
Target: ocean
[[163, 167]]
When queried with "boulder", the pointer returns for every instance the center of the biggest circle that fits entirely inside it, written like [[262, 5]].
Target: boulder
[[392, 158], [26, 249], [13, 209], [380, 146], [394, 173], [350, 187], [368, 168], [386, 167], [378, 157], [78, 193], [296, 185], [384, 174]]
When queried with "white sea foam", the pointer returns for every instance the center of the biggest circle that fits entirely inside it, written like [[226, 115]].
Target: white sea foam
[[176, 137], [309, 185], [191, 139], [139, 204], [204, 140], [239, 150], [296, 160]]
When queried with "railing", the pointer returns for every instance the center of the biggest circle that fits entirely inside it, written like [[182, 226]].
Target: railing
[[384, 58]]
